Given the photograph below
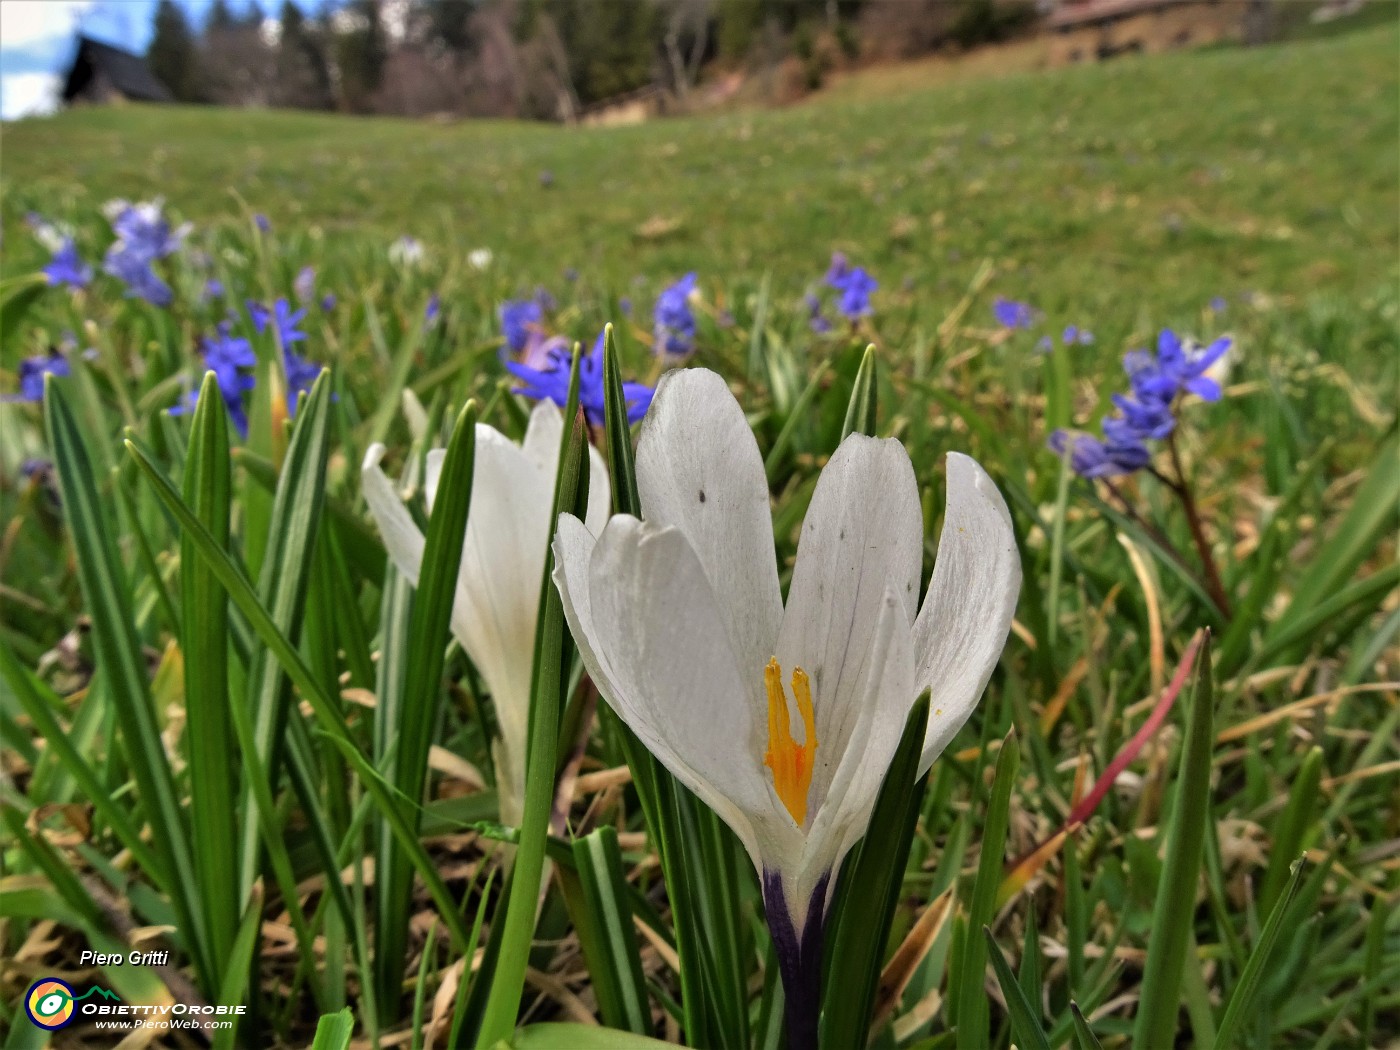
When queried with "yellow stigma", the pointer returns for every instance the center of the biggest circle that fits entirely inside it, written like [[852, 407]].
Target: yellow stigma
[[790, 761]]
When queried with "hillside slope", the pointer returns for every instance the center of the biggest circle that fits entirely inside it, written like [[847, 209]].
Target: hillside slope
[[1171, 178]]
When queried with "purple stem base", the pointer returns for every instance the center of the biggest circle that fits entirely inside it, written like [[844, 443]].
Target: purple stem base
[[799, 959]]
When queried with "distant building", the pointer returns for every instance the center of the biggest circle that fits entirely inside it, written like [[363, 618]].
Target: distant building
[[635, 107], [1091, 30], [103, 74]]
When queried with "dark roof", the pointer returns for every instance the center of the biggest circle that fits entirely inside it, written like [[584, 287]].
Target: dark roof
[[127, 73], [1087, 12]]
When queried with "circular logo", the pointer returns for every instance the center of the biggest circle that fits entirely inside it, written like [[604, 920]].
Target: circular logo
[[49, 1003]]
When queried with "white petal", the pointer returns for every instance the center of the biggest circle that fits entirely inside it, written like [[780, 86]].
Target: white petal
[[543, 439], [863, 534], [402, 539], [503, 563], [544, 435], [599, 491], [699, 469], [880, 697], [432, 473], [967, 612], [651, 634]]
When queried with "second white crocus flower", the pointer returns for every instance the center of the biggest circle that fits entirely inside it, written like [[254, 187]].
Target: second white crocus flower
[[784, 719], [503, 560]]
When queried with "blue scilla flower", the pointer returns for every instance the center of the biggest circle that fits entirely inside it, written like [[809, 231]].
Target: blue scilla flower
[[856, 288], [143, 230], [282, 316], [837, 272], [1012, 314], [1175, 368], [136, 271], [1091, 458], [518, 317], [1073, 335], [1186, 366], [31, 375], [432, 311], [1148, 419], [673, 320], [552, 383], [67, 267], [229, 357], [816, 320]]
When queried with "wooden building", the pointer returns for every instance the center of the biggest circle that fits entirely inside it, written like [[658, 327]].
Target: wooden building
[[103, 74], [1092, 30]]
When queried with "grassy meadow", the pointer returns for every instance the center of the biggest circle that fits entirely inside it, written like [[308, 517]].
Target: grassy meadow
[[253, 744]]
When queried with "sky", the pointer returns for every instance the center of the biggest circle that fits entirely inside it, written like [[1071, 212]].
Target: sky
[[37, 43]]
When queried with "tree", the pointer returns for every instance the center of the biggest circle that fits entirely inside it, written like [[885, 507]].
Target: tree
[[172, 55], [449, 23], [219, 18], [239, 66], [360, 53], [303, 81], [611, 45]]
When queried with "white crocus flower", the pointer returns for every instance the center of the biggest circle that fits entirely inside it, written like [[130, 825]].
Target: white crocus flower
[[784, 719], [406, 253], [503, 561], [479, 258]]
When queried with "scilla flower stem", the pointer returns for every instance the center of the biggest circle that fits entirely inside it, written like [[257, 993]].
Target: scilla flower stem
[[1198, 534]]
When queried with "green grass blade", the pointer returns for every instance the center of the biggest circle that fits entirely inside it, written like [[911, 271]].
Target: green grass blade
[[1083, 1034], [973, 1015], [1025, 1025], [862, 411], [603, 918], [333, 1031], [1291, 829], [238, 964], [1242, 998], [552, 649], [282, 586], [796, 416], [562, 1036], [1030, 975], [427, 640], [1174, 911], [327, 712], [420, 986], [622, 471], [871, 881], [465, 982], [391, 676], [84, 775], [1371, 518], [107, 599], [204, 640], [1365, 592]]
